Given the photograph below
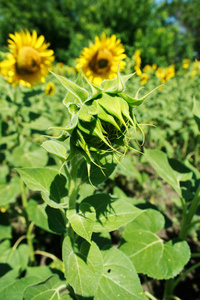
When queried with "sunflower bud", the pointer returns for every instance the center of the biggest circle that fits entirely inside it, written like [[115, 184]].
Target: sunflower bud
[[100, 121]]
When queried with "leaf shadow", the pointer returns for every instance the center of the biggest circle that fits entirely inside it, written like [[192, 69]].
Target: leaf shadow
[[4, 268], [55, 220], [190, 183], [57, 189], [102, 204]]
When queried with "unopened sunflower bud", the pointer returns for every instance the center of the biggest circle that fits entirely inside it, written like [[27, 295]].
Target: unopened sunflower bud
[[100, 121]]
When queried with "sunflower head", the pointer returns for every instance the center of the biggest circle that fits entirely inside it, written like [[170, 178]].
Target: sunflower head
[[50, 88], [29, 59], [100, 120], [100, 60]]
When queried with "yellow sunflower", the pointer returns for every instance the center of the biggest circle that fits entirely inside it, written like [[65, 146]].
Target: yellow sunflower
[[100, 60], [29, 59], [50, 88]]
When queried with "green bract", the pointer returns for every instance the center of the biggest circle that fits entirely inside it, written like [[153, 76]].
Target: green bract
[[100, 121]]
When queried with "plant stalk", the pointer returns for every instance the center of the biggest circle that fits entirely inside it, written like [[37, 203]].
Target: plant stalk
[[73, 189], [189, 216], [29, 226]]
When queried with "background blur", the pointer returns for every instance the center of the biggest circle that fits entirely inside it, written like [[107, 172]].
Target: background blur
[[166, 32]]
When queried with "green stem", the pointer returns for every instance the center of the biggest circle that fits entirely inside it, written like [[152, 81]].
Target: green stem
[[73, 189], [150, 296], [30, 243], [29, 225], [176, 282], [189, 216], [168, 292], [72, 186], [44, 253], [15, 247], [195, 255]]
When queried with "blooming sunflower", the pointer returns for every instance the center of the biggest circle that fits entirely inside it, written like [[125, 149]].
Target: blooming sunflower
[[29, 59], [100, 60], [50, 88]]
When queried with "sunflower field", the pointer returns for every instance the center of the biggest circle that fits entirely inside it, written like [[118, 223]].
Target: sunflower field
[[99, 150]]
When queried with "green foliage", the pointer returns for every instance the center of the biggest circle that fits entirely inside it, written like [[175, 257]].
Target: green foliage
[[186, 14], [68, 25]]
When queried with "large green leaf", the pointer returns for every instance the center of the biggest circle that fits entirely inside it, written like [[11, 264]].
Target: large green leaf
[[29, 158], [83, 271], [148, 253], [51, 184], [160, 163], [48, 289], [119, 279], [9, 277], [16, 257], [46, 217], [82, 222], [111, 212]]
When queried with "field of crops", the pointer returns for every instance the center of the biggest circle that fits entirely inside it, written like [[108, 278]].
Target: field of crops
[[88, 211]]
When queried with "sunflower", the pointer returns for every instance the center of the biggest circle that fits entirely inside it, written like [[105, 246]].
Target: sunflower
[[50, 88], [100, 60], [29, 59]]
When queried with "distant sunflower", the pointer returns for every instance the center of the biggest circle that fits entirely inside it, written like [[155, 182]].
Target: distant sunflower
[[29, 59], [50, 88], [100, 60]]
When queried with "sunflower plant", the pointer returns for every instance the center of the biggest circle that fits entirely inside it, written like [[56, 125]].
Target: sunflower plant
[[101, 130]]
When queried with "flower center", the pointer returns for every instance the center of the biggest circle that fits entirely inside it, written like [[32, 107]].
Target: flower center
[[101, 61], [28, 60]]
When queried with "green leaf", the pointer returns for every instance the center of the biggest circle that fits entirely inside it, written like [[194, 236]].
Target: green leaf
[[51, 184], [119, 279], [4, 171], [148, 253], [159, 162], [5, 227], [15, 290], [48, 289], [116, 84], [55, 148], [23, 158], [98, 175], [79, 93], [83, 272], [96, 90], [111, 212], [127, 169], [82, 222], [46, 217], [40, 124], [16, 257], [9, 191], [40, 271], [9, 277]]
